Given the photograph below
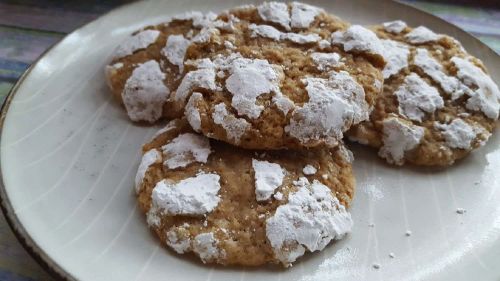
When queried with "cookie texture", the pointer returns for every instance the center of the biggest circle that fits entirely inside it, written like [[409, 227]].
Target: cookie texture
[[438, 102], [286, 76], [270, 76], [242, 207], [147, 66]]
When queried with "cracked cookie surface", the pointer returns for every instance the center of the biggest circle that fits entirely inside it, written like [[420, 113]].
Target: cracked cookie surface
[[261, 77], [274, 83], [438, 103], [234, 206]]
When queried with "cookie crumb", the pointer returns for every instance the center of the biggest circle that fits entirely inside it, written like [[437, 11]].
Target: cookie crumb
[[325, 176], [408, 233], [376, 265], [391, 255], [461, 211], [309, 170], [268, 177], [229, 45], [278, 196]]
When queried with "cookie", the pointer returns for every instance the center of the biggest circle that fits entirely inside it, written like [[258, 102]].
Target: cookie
[[438, 102], [233, 206], [275, 80], [146, 67]]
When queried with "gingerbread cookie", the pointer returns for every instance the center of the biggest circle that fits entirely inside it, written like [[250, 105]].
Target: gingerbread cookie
[[286, 76], [438, 103], [148, 65], [233, 206]]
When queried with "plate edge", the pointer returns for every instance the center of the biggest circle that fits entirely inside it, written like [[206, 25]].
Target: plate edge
[[21, 234]]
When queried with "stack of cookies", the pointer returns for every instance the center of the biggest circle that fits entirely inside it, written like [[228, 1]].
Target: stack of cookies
[[252, 168]]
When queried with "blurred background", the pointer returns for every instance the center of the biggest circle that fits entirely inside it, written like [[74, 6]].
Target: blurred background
[[29, 27]]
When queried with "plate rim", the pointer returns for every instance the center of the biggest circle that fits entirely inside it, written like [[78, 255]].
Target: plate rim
[[22, 235]]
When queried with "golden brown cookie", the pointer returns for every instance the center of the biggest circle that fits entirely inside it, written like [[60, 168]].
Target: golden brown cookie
[[269, 76], [233, 206], [286, 76], [438, 103], [147, 66]]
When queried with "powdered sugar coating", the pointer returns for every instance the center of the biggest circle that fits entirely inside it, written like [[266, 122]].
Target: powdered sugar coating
[[235, 127], [303, 15], [309, 170], [153, 217], [117, 65], [323, 44], [421, 35], [435, 70], [144, 92], [136, 42], [205, 34], [248, 79], [346, 154], [179, 245], [310, 220], [207, 21], [186, 149], [149, 158], [283, 103], [191, 111], [275, 12], [175, 50], [398, 138], [396, 55], [416, 98], [394, 26], [268, 31], [486, 96], [301, 38], [268, 177], [278, 196], [192, 196], [358, 39], [334, 105], [195, 16], [458, 134], [200, 78], [206, 246], [325, 61]]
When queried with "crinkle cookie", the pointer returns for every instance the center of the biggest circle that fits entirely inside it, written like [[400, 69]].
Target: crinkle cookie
[[146, 67], [438, 103], [233, 206], [286, 76]]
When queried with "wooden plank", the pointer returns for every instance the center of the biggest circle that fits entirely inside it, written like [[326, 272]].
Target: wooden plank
[[25, 45], [4, 90], [10, 71], [62, 21]]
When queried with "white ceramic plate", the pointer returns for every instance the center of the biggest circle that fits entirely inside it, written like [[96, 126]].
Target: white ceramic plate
[[69, 154]]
